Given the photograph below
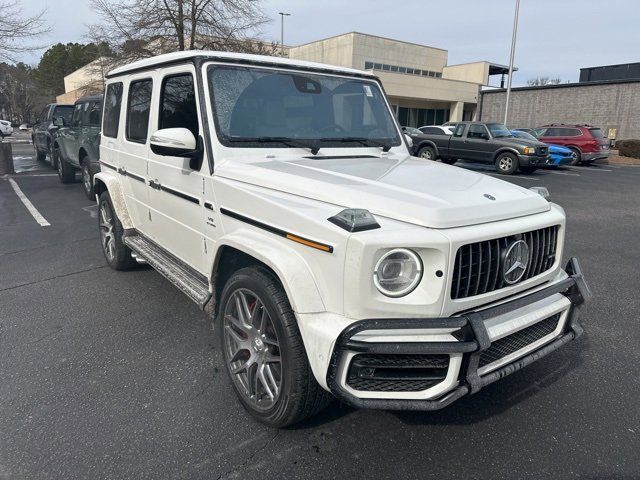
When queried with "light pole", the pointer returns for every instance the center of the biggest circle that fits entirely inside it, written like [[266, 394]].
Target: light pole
[[513, 51], [282, 15]]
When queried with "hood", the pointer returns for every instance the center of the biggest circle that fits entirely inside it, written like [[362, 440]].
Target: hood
[[404, 188], [522, 141]]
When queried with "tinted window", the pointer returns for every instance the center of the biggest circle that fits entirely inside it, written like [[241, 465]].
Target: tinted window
[[432, 131], [94, 114], [138, 106], [569, 132], [76, 119], [112, 103], [596, 133], [477, 131], [178, 104], [64, 111], [459, 130], [552, 132]]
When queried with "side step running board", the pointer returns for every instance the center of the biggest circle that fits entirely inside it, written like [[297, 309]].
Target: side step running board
[[192, 283]]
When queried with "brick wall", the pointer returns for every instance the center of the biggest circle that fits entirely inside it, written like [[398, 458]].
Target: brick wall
[[615, 105]]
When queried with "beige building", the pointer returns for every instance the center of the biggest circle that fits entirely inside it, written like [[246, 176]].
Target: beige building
[[422, 88], [86, 80]]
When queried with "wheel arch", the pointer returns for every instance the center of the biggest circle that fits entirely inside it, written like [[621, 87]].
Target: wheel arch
[[501, 150], [427, 143], [249, 248], [105, 181]]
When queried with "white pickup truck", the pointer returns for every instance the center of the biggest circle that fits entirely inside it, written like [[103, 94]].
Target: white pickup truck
[[281, 197]]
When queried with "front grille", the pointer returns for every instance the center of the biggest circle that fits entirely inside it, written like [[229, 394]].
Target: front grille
[[478, 266], [542, 150], [396, 373], [518, 340]]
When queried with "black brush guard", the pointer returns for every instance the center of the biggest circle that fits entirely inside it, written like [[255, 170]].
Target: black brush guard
[[474, 340]]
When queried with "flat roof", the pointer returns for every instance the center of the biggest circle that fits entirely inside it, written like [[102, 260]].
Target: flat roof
[[563, 85], [609, 66], [372, 36], [176, 57]]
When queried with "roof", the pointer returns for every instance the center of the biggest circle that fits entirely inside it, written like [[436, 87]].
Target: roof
[[372, 36], [186, 56]]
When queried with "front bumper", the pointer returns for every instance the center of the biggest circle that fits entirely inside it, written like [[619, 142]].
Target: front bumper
[[472, 340], [533, 160]]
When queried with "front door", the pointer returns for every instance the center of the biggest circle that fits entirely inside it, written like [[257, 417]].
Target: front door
[[478, 143], [176, 199]]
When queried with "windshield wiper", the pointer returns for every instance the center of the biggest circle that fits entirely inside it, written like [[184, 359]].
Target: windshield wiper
[[288, 141], [367, 142]]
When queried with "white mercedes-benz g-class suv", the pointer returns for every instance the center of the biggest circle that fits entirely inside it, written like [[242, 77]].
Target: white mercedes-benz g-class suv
[[281, 197]]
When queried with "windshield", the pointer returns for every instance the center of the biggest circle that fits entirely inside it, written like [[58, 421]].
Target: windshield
[[499, 130], [64, 111], [525, 135], [262, 107]]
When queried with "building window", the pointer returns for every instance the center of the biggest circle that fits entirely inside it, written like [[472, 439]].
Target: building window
[[419, 117], [368, 65], [400, 69]]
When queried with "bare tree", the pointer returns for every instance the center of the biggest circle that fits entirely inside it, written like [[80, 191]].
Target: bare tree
[[541, 81], [16, 30], [142, 28]]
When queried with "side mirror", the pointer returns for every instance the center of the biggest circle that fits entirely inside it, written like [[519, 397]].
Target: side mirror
[[409, 140], [59, 122], [178, 142]]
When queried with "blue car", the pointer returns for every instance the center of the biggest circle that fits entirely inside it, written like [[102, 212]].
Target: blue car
[[558, 155]]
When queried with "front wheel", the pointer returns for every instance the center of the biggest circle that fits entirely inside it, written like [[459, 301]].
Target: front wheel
[[117, 254], [66, 173], [576, 156], [263, 350], [506, 163]]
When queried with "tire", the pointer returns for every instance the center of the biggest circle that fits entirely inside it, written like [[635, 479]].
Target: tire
[[506, 163], [41, 156], [54, 155], [528, 170], [87, 179], [118, 255], [259, 343], [428, 153], [66, 173], [577, 156], [449, 161]]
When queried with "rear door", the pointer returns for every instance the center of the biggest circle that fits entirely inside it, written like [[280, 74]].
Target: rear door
[[177, 210]]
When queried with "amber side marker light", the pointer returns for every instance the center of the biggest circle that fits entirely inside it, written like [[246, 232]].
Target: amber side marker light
[[309, 243]]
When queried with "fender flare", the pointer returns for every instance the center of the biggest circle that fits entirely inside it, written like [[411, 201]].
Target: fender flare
[[505, 149], [110, 182], [427, 143], [289, 266]]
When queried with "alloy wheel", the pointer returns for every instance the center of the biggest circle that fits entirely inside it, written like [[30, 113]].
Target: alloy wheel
[[426, 154], [106, 231], [252, 349], [505, 163], [86, 179]]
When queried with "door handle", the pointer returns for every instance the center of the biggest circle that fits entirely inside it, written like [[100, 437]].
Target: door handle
[[154, 184]]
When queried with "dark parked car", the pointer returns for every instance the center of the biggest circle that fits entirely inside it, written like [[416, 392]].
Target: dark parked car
[[44, 130], [422, 139], [587, 142], [487, 143], [76, 146]]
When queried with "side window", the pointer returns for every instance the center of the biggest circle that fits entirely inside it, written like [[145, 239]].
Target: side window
[[94, 114], [138, 107], [178, 104], [571, 132], [477, 131], [76, 118], [112, 103], [459, 131], [552, 132], [541, 132], [43, 115]]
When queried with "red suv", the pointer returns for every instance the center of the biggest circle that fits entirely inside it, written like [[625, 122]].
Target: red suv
[[588, 143]]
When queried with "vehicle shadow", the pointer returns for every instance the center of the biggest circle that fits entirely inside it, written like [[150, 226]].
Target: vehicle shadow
[[504, 394]]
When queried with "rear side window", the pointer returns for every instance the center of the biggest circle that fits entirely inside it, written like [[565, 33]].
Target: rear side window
[[112, 103], [569, 132], [596, 133], [94, 114], [178, 104], [138, 107]]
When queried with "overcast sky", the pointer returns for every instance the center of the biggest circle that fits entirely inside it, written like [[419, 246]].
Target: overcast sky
[[555, 37]]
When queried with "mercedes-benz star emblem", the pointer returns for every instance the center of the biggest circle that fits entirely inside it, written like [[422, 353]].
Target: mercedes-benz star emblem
[[490, 197], [515, 262]]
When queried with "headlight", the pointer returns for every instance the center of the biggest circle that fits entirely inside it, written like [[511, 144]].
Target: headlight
[[398, 272], [529, 150]]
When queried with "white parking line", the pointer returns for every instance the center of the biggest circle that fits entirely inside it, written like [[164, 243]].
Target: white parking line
[[563, 173], [592, 169], [27, 203]]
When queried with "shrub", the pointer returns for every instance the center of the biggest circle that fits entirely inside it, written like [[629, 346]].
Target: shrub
[[629, 148]]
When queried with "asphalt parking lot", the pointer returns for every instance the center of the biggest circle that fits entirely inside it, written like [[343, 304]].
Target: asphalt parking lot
[[108, 374]]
